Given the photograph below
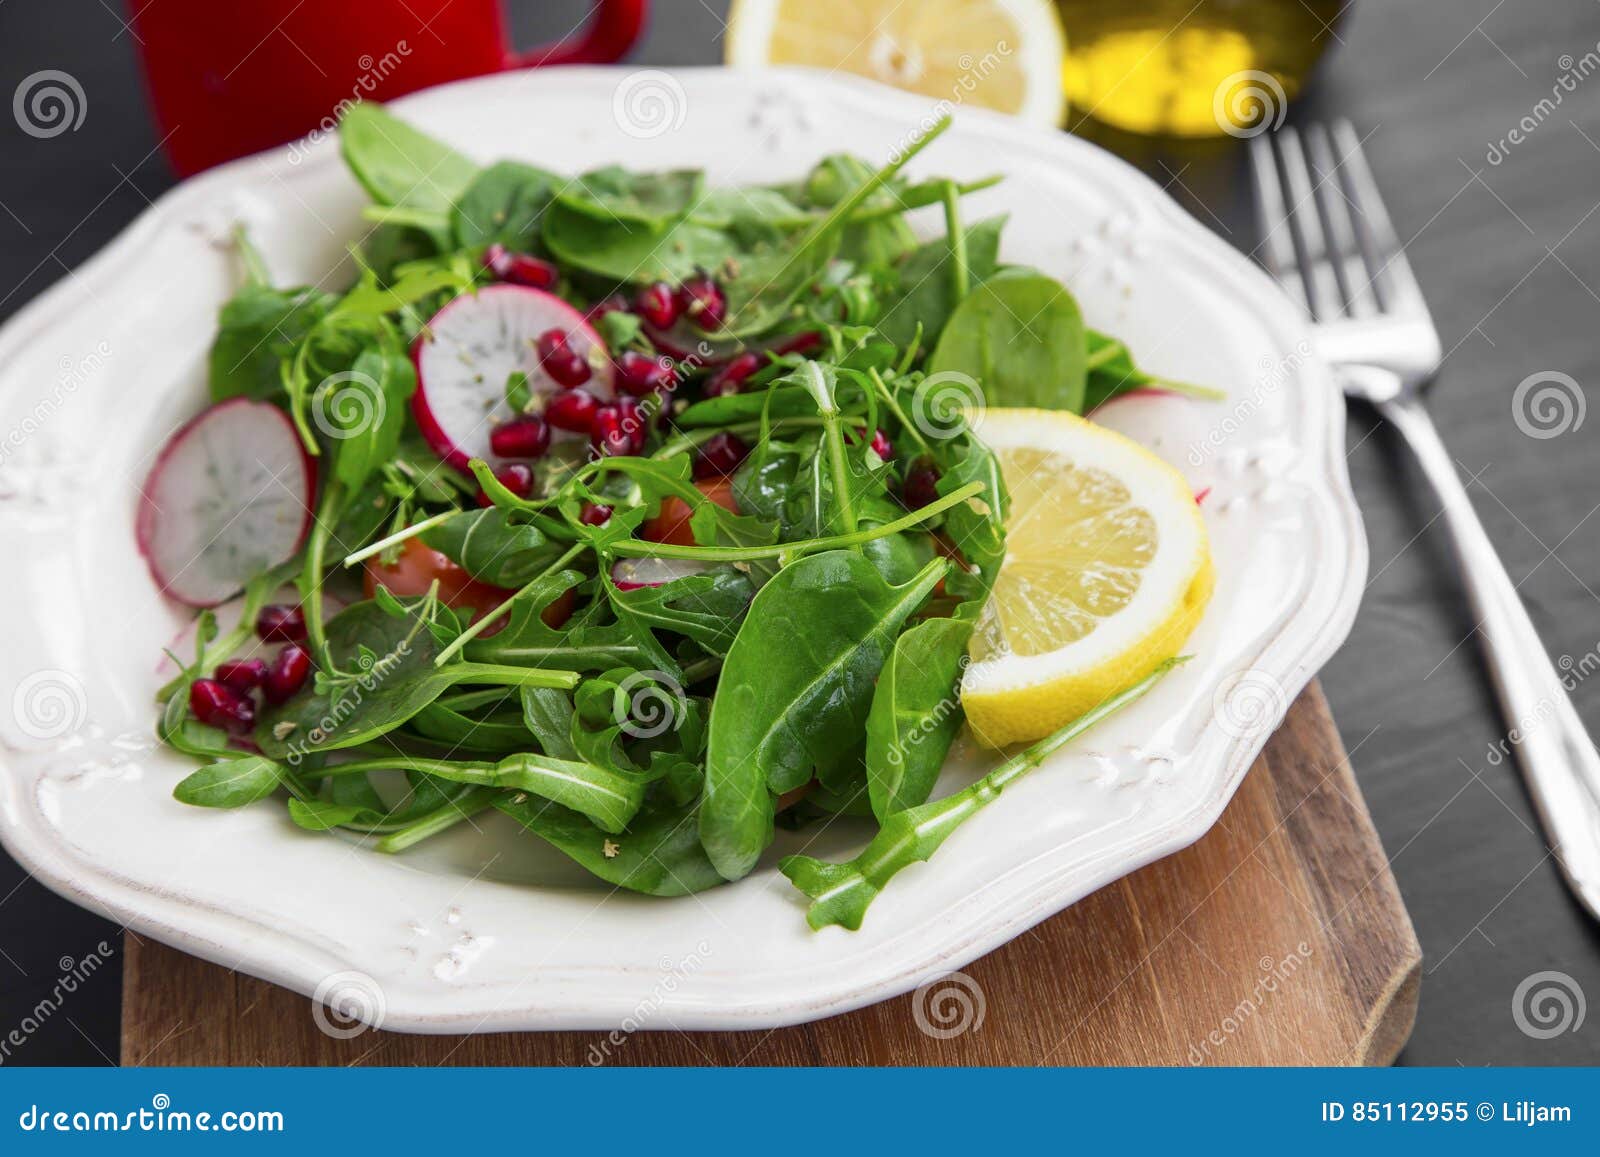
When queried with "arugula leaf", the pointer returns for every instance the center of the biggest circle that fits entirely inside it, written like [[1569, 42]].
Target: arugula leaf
[[382, 674], [258, 328], [494, 547], [833, 619], [704, 607]]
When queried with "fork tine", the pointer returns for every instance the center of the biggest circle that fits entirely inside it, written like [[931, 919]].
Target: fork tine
[[1322, 287], [1349, 262], [1277, 244], [1389, 269]]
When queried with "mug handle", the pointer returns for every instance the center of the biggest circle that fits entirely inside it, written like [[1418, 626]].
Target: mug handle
[[612, 30]]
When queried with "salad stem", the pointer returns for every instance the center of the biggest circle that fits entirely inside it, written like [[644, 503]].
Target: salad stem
[[636, 548], [959, 279], [397, 538]]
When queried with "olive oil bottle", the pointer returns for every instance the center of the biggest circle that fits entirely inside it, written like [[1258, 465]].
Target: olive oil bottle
[[1191, 68]]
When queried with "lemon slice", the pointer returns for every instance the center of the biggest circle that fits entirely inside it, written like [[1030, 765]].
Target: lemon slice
[[998, 54], [1107, 571]]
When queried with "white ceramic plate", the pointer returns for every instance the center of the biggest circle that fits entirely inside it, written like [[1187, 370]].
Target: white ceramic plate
[[491, 930]]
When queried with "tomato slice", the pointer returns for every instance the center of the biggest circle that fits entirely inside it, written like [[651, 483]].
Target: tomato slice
[[671, 523], [418, 565]]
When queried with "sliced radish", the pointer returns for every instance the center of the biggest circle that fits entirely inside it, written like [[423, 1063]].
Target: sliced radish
[[229, 496], [686, 341], [632, 574], [469, 350]]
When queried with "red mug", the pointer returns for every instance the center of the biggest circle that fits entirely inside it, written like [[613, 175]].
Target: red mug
[[232, 77]]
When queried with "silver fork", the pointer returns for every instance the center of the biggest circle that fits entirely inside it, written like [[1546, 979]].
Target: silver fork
[[1328, 240]]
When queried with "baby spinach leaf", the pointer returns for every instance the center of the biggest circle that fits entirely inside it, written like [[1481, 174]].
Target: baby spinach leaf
[[925, 295], [659, 853], [1020, 336], [915, 714], [399, 165], [321, 815], [229, 783], [493, 546], [617, 194], [842, 892], [634, 251], [259, 327], [1113, 373], [795, 691], [505, 205]]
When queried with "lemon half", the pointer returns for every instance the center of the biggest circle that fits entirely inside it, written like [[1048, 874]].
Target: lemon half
[[1107, 572], [997, 54]]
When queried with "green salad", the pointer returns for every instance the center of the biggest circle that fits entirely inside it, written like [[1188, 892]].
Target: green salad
[[637, 509]]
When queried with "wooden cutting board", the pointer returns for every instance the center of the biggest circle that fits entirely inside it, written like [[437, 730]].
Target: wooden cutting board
[[1278, 939]]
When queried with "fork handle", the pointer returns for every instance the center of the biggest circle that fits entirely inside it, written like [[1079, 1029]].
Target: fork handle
[[1558, 759]]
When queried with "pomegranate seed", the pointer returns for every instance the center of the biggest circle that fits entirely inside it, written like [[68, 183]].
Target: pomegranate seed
[[657, 304], [608, 437], [639, 374], [921, 487], [720, 455], [881, 446], [616, 303], [526, 437], [281, 623], [288, 673], [563, 363], [242, 675], [703, 302], [516, 478], [572, 411], [216, 704], [730, 378], [635, 424], [520, 268], [593, 514]]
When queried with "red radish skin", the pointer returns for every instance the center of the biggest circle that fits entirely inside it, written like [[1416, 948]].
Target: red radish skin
[[471, 347], [204, 533]]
